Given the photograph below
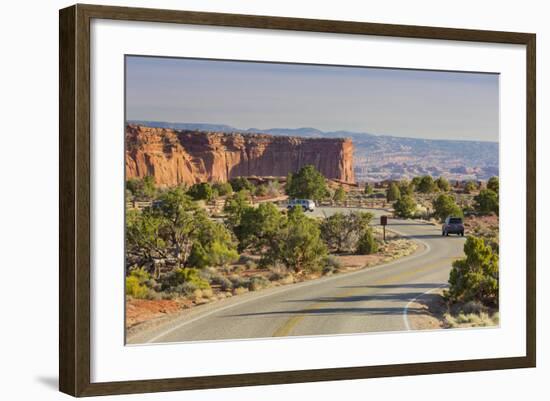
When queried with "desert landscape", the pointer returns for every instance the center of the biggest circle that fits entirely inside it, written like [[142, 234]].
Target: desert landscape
[[363, 209]]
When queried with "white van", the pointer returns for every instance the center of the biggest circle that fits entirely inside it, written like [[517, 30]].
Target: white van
[[307, 204]]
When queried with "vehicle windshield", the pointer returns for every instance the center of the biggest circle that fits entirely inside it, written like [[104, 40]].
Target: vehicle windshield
[[455, 220]]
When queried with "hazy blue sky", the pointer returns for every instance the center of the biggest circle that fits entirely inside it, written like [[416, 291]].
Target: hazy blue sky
[[421, 104]]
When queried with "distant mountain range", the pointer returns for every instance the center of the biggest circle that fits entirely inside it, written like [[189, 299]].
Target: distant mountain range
[[379, 157]]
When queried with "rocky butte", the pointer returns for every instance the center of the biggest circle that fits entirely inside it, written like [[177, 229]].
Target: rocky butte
[[174, 157]]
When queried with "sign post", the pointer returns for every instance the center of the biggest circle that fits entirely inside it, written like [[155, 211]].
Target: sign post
[[384, 223]]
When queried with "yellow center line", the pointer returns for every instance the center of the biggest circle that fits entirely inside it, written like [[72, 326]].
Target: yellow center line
[[286, 328]]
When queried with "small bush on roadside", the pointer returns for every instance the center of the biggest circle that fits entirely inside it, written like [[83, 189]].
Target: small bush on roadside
[[367, 244], [332, 265], [135, 289], [239, 290], [474, 307], [224, 283], [138, 283], [153, 296], [258, 283], [185, 289], [475, 277], [184, 276], [482, 319], [238, 281], [275, 276]]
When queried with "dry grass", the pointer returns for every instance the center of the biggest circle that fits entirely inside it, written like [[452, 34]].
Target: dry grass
[[462, 320]]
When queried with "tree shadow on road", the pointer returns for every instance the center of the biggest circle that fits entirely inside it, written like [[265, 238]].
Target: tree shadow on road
[[432, 236], [375, 311], [400, 285], [396, 297]]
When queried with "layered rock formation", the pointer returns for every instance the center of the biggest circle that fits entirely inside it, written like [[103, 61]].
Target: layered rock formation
[[174, 157]]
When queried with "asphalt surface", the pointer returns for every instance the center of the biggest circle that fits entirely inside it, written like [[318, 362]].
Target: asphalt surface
[[370, 300]]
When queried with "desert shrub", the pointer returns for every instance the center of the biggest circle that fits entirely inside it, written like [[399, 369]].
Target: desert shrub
[[475, 277], [308, 183], [214, 244], [135, 289], [259, 227], [187, 288], [445, 205], [223, 188], [276, 276], [153, 295], [443, 184], [333, 262], [240, 290], [185, 277], [235, 207], [486, 202], [367, 244], [201, 191], [471, 319], [273, 188], [238, 281], [198, 256], [261, 190], [251, 265], [241, 183], [340, 232], [339, 195], [139, 283], [144, 242], [474, 307], [415, 182], [239, 268], [141, 188], [258, 283], [426, 185], [300, 246], [369, 189], [493, 184], [405, 207], [167, 295], [469, 187], [332, 265], [224, 283], [405, 187], [393, 193]]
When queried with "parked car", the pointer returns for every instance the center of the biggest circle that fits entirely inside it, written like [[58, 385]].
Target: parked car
[[453, 225], [307, 204]]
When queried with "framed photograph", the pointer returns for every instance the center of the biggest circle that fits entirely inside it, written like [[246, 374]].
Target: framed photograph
[[249, 200]]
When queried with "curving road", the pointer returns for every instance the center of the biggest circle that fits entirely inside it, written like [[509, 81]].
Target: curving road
[[369, 300]]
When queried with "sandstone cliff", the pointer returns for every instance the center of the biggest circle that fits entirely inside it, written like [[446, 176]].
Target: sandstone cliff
[[174, 157]]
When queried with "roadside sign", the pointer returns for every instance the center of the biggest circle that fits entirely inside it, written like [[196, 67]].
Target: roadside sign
[[384, 223]]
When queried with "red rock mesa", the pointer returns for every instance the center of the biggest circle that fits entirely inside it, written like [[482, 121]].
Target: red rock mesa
[[174, 157]]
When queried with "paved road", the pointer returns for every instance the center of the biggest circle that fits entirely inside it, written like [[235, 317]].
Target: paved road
[[374, 299]]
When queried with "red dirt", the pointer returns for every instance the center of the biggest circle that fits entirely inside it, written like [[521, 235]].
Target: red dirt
[[140, 310]]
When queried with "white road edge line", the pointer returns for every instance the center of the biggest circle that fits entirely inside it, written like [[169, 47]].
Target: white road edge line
[[283, 289], [406, 309]]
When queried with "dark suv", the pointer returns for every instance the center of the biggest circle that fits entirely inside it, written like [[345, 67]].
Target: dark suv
[[453, 225]]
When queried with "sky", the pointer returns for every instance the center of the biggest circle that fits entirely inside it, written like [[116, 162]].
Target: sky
[[406, 103]]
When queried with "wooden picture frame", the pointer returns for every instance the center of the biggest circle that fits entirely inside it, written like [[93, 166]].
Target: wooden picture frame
[[75, 207]]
